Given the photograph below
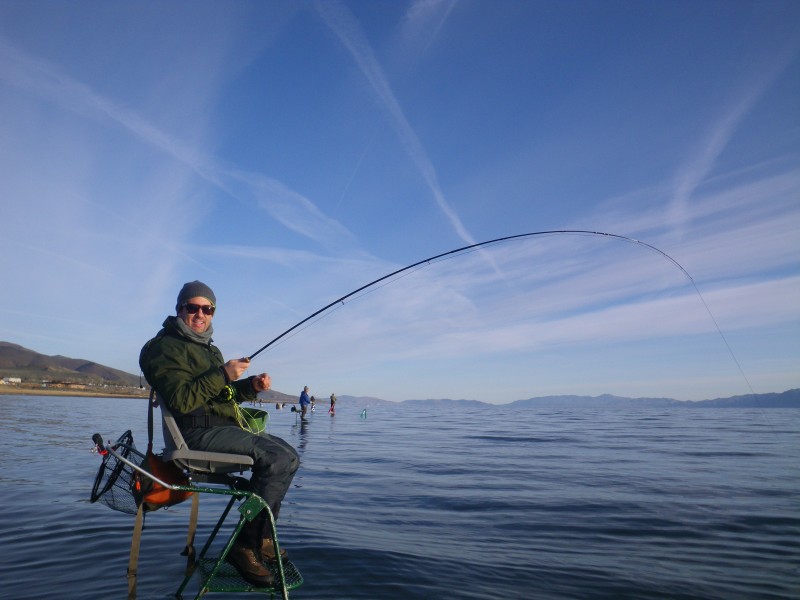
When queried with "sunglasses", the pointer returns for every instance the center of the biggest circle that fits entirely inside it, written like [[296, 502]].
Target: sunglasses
[[193, 308]]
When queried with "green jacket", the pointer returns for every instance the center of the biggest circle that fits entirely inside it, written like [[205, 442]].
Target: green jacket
[[189, 375]]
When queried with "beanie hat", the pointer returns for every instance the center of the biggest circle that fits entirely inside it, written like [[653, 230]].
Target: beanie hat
[[195, 289]]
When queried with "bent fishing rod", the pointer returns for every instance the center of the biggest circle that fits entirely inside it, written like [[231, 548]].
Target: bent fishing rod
[[487, 243]]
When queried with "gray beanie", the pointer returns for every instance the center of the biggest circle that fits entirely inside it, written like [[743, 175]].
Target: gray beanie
[[195, 289]]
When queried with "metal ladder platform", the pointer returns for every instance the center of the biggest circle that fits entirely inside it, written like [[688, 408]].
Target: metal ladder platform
[[226, 579], [216, 574]]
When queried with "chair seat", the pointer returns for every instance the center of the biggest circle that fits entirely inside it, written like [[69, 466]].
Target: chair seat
[[208, 462], [198, 461]]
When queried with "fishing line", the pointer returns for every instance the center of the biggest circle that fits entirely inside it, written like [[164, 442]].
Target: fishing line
[[472, 247]]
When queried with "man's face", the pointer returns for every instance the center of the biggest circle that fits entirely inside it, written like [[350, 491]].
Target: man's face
[[197, 313]]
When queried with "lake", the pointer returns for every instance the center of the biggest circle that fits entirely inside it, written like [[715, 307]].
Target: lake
[[488, 502]]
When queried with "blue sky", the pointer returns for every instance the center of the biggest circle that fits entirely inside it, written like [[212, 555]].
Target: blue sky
[[287, 153]]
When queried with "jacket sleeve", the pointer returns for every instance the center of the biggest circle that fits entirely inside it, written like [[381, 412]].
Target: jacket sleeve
[[244, 390], [168, 367]]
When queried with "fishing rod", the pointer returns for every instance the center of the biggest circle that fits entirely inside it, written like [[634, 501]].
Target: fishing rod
[[451, 253], [478, 245]]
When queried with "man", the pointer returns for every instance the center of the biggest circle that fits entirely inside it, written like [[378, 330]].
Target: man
[[188, 372], [332, 409], [304, 402]]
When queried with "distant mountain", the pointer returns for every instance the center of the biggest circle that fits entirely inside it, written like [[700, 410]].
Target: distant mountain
[[16, 361], [32, 367], [606, 401], [445, 403], [360, 402], [788, 399], [273, 397]]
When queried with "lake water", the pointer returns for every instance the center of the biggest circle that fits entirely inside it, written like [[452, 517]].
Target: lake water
[[475, 503]]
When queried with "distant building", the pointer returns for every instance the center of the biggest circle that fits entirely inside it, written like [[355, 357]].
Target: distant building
[[11, 380]]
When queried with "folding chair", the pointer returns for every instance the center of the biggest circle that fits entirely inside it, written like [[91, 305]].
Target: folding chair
[[221, 468], [136, 483]]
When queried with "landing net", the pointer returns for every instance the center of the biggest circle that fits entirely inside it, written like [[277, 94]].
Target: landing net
[[114, 483]]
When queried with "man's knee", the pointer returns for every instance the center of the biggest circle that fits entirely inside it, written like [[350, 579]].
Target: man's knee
[[278, 459], [288, 462]]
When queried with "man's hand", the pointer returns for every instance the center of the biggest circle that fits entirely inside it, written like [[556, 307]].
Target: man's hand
[[261, 383], [235, 367]]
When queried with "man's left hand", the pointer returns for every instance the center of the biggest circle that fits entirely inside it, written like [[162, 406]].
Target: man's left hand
[[261, 383]]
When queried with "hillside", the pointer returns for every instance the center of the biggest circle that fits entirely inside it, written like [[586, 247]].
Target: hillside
[[32, 367], [60, 373], [273, 397]]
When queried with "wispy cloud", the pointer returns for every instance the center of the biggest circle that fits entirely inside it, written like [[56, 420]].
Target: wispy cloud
[[588, 294], [698, 166], [341, 21], [291, 209], [47, 80], [421, 25], [732, 231]]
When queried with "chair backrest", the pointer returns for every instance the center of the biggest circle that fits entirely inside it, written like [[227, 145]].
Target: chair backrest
[[199, 461]]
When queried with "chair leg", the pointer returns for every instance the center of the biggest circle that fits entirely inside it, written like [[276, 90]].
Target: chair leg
[[207, 545], [189, 551], [223, 555], [278, 559], [250, 509]]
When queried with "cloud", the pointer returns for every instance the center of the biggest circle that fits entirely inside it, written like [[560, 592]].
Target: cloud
[[698, 166], [573, 293], [338, 17], [44, 79], [420, 27], [291, 209]]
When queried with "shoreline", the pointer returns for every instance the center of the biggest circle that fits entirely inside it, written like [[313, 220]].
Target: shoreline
[[7, 390]]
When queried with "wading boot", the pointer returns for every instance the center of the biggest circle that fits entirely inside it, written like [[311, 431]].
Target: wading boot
[[268, 550], [247, 563]]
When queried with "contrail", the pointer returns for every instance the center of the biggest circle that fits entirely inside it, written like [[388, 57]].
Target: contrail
[[343, 24], [291, 209], [698, 167]]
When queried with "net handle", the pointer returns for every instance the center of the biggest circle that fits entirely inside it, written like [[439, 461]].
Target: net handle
[[150, 406], [139, 469]]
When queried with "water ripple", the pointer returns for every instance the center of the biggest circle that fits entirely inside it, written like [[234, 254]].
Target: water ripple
[[549, 504]]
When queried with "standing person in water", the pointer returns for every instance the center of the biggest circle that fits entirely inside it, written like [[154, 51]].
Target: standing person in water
[[332, 409], [200, 389], [304, 402]]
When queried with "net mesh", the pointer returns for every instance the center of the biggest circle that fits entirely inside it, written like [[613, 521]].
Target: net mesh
[[113, 485]]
